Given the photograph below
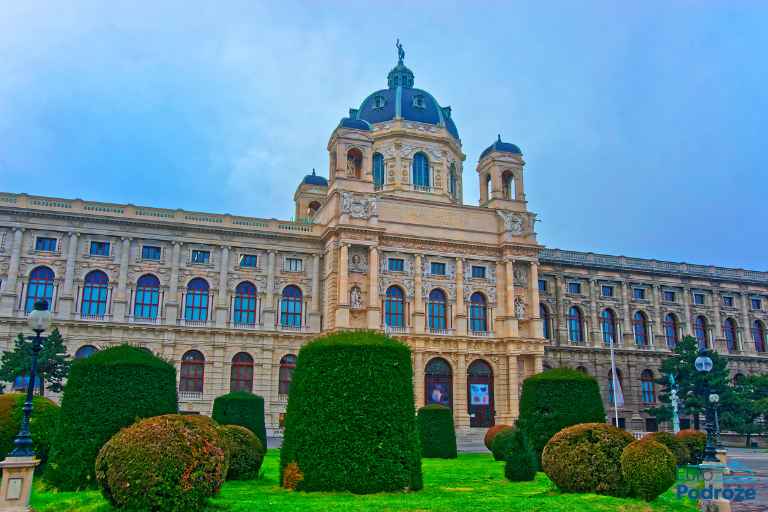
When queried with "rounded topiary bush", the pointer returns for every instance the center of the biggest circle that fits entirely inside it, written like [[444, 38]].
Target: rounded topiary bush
[[350, 423], [695, 441], [678, 449], [169, 463], [45, 416], [491, 433], [104, 393], [436, 432], [587, 458], [503, 443], [648, 468], [520, 463], [244, 409], [556, 399], [246, 453]]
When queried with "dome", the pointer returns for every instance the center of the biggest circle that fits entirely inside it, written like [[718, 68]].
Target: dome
[[355, 124], [314, 179], [502, 147]]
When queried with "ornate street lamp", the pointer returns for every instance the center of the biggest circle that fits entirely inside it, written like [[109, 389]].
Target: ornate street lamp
[[704, 365]]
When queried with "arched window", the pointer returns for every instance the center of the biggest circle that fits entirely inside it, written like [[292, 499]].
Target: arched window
[[355, 162], [378, 170], [245, 304], [287, 365], [192, 372], [241, 376], [738, 379], [452, 181], [40, 288], [508, 185], [619, 387], [394, 307], [671, 330], [147, 297], [700, 330], [420, 170], [582, 369], [640, 327], [85, 351], [436, 310], [291, 307], [95, 292], [196, 303], [758, 334], [488, 187], [608, 325], [729, 332], [478, 312], [438, 382], [314, 206], [646, 387], [545, 321], [480, 394], [575, 325]]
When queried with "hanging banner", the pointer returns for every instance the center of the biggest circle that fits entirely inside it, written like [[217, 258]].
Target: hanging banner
[[479, 394], [437, 393]]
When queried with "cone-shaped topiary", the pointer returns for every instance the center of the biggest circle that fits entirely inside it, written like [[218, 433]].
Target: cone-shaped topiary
[[244, 409], [678, 449], [436, 432], [503, 443], [246, 453], [43, 423], [520, 465], [491, 433], [648, 468], [695, 441], [172, 463], [106, 392], [556, 399], [587, 458], [350, 423]]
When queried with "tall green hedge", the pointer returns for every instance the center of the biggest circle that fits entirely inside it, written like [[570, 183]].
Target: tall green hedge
[[106, 392], [556, 399], [244, 409], [520, 461], [350, 423], [436, 432], [45, 417]]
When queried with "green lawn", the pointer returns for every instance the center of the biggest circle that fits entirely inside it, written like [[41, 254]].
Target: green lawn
[[473, 482]]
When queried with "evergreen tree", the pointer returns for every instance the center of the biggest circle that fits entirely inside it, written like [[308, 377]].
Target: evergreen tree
[[747, 408], [52, 361]]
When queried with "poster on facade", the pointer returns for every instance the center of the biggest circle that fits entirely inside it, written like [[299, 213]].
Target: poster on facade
[[438, 394], [479, 394]]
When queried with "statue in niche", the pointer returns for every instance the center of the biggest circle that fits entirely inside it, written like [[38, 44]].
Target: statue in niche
[[519, 308], [356, 298]]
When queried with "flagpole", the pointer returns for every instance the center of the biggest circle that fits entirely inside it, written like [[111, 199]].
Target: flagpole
[[614, 380]]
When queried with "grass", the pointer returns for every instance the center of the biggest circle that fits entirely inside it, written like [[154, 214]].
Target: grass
[[473, 482]]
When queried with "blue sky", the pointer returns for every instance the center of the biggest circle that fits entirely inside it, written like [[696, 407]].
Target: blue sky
[[642, 124]]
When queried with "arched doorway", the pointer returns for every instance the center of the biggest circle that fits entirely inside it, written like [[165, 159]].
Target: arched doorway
[[438, 383], [480, 394]]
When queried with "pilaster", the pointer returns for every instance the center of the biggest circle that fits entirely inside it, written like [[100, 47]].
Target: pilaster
[[460, 315], [342, 305], [10, 292], [374, 309]]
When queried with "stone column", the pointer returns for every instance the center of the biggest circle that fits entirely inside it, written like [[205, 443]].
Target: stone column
[[718, 337], [120, 304], [66, 299], [10, 296], [460, 315], [314, 313], [418, 299], [593, 291], [222, 303], [460, 405], [513, 389], [688, 331], [374, 307], [511, 319], [172, 301], [749, 341], [536, 330], [627, 316], [418, 378], [561, 314], [269, 314], [342, 303]]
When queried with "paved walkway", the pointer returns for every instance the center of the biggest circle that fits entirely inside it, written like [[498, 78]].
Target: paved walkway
[[750, 470]]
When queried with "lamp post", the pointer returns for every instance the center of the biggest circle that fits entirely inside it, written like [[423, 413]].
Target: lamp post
[[704, 365]]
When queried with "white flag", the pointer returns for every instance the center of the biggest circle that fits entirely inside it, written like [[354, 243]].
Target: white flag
[[619, 393]]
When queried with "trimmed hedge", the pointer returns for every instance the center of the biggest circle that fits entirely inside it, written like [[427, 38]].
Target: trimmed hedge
[[587, 458], [520, 464], [350, 423], [491, 433], [503, 442], [649, 468], [244, 409], [104, 393], [678, 449], [695, 441], [43, 423], [246, 453], [436, 432], [556, 399], [172, 463]]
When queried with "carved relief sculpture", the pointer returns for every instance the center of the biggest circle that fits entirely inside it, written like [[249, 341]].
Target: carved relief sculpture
[[513, 222]]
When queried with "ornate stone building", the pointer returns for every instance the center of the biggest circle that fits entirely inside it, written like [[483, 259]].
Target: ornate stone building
[[384, 243]]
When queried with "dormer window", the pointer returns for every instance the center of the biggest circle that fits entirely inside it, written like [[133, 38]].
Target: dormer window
[[379, 102], [418, 101]]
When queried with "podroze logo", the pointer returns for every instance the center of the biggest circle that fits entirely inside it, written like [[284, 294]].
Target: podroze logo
[[739, 485]]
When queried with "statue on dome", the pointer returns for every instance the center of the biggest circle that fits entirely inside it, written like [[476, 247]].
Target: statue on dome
[[400, 52]]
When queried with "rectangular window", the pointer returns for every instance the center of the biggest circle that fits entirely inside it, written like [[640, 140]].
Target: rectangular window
[[150, 252], [248, 260], [698, 298], [478, 272], [574, 288], [728, 301], [99, 248], [294, 264], [669, 296], [395, 265], [201, 257], [45, 244], [638, 293], [542, 285], [607, 291], [757, 304], [437, 269]]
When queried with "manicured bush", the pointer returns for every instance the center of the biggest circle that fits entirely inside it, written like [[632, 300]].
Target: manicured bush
[[556, 399], [491, 433], [246, 453], [695, 441], [45, 416], [503, 443], [436, 432], [648, 468], [678, 449], [106, 392], [170, 463], [520, 465], [244, 409], [350, 423], [587, 458]]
